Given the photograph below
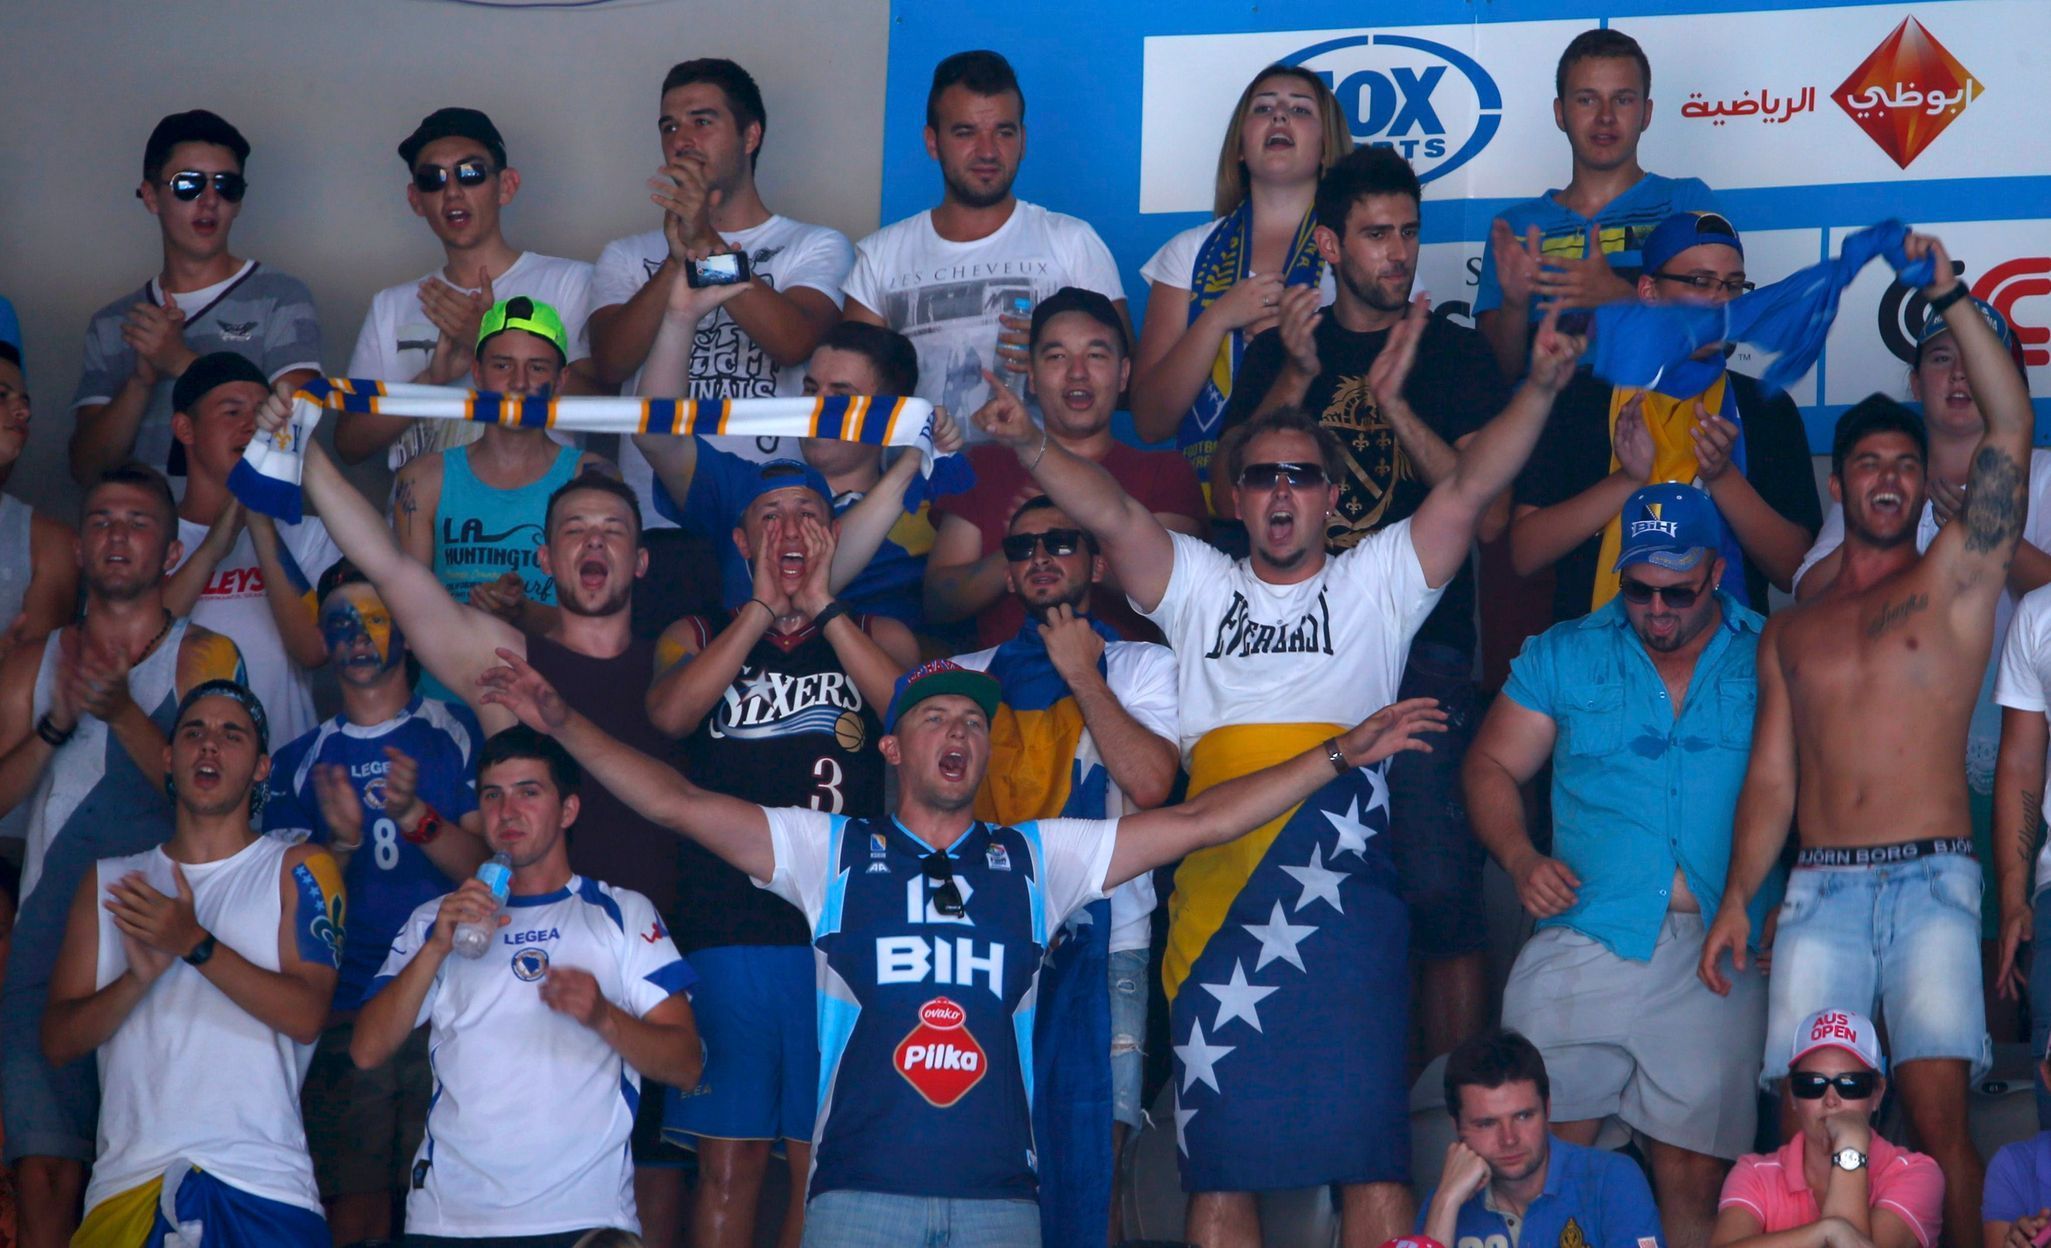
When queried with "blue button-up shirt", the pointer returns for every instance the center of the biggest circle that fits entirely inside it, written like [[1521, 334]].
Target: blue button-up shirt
[[1637, 790]]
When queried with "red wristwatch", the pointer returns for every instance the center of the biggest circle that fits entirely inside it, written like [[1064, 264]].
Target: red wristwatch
[[429, 827]]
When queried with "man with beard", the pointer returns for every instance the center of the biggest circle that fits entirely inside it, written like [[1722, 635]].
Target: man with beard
[[1298, 932], [83, 720], [1080, 365], [1865, 694], [387, 787], [929, 925], [960, 280], [1396, 443], [1644, 709], [779, 707], [200, 971], [592, 530], [1087, 729], [541, 1043], [1506, 1177]]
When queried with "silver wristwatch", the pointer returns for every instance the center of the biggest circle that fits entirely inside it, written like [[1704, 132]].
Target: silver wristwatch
[[1848, 1159]]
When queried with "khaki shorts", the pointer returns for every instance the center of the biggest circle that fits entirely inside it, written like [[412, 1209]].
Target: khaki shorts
[[1644, 1042], [363, 1126]]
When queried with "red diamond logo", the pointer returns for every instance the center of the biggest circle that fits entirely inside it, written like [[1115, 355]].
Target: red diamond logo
[[1907, 92]]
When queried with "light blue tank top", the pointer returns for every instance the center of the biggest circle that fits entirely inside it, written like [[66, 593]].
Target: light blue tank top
[[481, 531]]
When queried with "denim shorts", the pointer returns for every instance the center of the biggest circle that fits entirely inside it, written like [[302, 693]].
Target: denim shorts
[[1128, 1033], [1899, 942], [849, 1219]]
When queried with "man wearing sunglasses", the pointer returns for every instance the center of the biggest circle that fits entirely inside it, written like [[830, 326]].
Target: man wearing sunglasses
[[203, 299], [1836, 1183], [1746, 449], [1272, 650], [1644, 709], [425, 330], [928, 929]]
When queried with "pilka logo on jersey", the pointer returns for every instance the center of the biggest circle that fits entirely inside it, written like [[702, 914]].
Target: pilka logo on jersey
[[940, 1059], [1906, 93]]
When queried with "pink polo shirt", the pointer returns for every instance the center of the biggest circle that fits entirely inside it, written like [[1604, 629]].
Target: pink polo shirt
[[1771, 1187]]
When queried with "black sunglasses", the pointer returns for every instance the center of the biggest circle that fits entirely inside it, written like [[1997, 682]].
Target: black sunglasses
[[428, 179], [1018, 547], [1264, 476], [190, 184], [947, 897], [1853, 1085], [1679, 597]]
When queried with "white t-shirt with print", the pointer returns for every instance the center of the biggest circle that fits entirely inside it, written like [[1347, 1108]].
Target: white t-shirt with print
[[1174, 262], [946, 296], [1141, 676], [725, 362], [233, 604], [2024, 683], [1329, 649], [397, 340]]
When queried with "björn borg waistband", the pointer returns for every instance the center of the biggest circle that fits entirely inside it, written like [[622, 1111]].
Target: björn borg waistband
[[1881, 855]]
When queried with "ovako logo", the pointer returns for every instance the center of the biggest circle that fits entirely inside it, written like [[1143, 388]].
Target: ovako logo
[[1906, 93], [1434, 104]]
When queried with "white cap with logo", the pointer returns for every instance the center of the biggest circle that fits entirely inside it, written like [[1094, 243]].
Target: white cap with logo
[[1839, 1029]]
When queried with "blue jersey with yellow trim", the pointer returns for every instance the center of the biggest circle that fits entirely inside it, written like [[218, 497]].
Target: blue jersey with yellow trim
[[926, 1018]]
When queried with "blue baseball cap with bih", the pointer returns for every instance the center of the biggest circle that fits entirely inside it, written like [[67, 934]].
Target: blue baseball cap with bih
[[942, 676], [1669, 526]]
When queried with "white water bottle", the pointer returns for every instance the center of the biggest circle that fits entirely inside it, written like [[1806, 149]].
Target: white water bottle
[[472, 939]]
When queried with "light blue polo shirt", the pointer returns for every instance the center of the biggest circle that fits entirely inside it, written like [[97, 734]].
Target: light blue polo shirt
[[1637, 790], [1601, 1194]]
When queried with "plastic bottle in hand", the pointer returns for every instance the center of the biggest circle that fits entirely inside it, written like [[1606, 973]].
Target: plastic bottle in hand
[[1021, 307], [472, 939]]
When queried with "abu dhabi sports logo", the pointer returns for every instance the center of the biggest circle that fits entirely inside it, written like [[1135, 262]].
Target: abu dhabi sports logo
[[1434, 104], [1907, 92]]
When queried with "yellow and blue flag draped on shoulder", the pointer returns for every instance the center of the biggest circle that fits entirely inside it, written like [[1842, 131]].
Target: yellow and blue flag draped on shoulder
[[268, 477], [1045, 765], [186, 1205]]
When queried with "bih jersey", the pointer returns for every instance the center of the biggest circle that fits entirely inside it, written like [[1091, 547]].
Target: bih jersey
[[926, 1019], [389, 876], [527, 1132]]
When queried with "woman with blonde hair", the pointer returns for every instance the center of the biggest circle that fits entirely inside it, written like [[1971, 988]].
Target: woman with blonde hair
[[1216, 286]]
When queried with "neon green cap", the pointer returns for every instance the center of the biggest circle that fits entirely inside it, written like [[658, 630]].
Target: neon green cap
[[531, 315]]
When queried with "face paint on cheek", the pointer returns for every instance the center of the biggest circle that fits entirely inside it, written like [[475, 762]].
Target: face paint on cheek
[[385, 635], [340, 625]]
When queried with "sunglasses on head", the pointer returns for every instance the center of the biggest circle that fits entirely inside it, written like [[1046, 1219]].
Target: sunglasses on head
[[1264, 476], [1679, 597], [190, 184], [428, 179], [947, 896], [1853, 1085], [1018, 547]]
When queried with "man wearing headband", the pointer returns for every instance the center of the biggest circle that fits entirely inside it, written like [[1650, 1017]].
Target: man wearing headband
[[1644, 709], [779, 704], [245, 575], [89, 710], [1866, 694], [472, 512], [929, 928], [459, 182], [204, 299], [1836, 1183], [1747, 450], [200, 972]]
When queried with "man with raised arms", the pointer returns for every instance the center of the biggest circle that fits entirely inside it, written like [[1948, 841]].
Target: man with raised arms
[[1865, 692], [928, 930], [1286, 938]]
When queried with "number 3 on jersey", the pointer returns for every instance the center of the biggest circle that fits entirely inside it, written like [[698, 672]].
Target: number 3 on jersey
[[830, 777]]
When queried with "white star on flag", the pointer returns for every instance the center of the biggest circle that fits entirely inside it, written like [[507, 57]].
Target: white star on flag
[[1182, 1117], [1279, 938], [1238, 999], [1200, 1060], [1320, 882], [1353, 833], [1378, 784]]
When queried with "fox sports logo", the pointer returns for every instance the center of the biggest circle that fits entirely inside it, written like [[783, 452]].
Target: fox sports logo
[[1434, 104]]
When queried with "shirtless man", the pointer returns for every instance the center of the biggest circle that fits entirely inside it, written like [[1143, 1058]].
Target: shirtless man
[[1881, 795]]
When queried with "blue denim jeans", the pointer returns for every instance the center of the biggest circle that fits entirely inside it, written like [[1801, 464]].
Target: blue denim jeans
[[845, 1219], [1128, 1033]]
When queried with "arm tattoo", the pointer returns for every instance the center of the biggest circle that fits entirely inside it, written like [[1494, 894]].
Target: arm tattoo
[[1893, 614], [402, 498], [1994, 501], [2033, 829]]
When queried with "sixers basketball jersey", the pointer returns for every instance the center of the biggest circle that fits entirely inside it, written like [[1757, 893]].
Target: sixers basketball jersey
[[926, 1018], [791, 730]]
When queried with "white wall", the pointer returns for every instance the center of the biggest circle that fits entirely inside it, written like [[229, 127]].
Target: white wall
[[325, 89]]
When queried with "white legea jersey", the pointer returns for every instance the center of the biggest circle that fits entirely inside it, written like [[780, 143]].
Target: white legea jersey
[[190, 1075], [528, 1130]]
